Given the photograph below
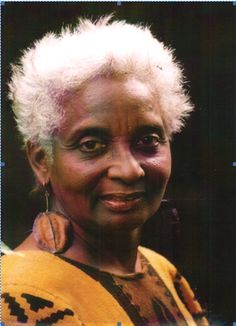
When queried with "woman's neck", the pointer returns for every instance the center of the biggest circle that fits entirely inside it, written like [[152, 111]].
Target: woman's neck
[[115, 252]]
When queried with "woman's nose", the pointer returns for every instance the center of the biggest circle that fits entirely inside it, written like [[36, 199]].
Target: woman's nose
[[124, 166]]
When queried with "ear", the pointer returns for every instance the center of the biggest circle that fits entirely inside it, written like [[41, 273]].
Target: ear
[[39, 162]]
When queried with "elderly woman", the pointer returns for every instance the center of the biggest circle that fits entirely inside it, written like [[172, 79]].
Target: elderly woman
[[97, 106]]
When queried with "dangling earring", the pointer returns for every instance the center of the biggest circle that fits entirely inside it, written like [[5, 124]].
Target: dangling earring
[[52, 231]]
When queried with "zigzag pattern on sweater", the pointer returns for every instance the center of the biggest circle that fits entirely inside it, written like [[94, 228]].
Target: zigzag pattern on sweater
[[34, 303]]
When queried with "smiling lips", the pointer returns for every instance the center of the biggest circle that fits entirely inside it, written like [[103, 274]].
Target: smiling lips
[[120, 202]]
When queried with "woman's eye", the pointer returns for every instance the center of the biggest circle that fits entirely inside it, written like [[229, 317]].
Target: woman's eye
[[148, 142], [91, 146]]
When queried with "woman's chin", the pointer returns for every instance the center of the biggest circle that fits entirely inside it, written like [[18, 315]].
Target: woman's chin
[[123, 221]]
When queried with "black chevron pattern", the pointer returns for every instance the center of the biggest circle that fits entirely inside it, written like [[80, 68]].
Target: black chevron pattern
[[15, 308], [54, 317], [36, 303]]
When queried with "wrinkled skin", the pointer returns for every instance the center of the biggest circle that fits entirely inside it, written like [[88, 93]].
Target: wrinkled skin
[[112, 142]]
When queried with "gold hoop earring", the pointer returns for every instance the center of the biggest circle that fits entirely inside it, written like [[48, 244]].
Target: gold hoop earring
[[52, 231]]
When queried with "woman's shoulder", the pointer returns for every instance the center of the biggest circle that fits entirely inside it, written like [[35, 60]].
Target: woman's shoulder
[[24, 263], [37, 274], [36, 271], [29, 295], [177, 284], [158, 262]]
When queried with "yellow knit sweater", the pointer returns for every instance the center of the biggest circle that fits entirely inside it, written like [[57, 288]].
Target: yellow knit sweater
[[41, 289]]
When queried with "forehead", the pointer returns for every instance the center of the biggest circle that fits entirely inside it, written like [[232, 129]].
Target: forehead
[[124, 102], [110, 90], [105, 93]]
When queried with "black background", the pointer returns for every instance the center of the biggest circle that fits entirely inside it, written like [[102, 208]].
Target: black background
[[202, 186]]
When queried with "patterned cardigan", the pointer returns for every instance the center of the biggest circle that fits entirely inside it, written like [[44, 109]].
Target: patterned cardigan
[[41, 289]]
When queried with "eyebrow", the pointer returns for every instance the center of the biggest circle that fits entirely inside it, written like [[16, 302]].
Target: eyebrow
[[87, 131], [154, 128], [105, 132]]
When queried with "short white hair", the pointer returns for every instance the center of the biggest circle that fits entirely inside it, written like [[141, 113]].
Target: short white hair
[[57, 65]]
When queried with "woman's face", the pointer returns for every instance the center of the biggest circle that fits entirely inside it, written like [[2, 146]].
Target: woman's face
[[111, 156]]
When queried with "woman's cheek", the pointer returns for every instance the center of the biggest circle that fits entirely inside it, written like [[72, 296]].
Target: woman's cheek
[[158, 168]]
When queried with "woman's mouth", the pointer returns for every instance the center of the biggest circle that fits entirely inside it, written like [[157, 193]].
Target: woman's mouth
[[120, 202]]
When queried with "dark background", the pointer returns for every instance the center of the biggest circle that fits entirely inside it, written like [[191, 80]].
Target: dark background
[[202, 186]]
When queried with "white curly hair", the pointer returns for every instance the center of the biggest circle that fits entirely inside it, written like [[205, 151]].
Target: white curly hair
[[58, 65]]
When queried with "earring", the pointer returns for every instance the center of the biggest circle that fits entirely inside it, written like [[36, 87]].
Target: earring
[[52, 231]]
